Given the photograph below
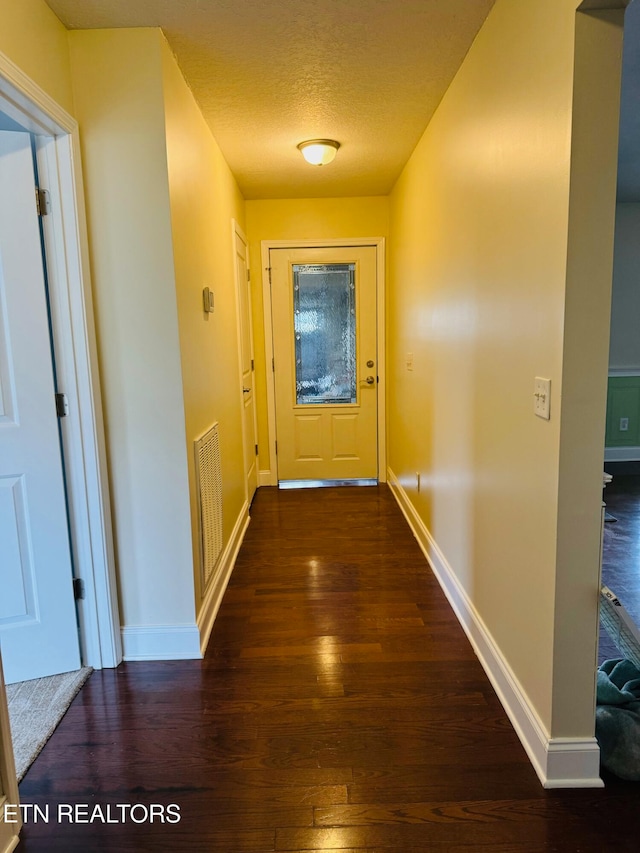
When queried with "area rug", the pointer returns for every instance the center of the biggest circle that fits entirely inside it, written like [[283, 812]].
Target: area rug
[[35, 709]]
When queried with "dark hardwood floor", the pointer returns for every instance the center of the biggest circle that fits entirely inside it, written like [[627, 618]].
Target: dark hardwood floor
[[339, 707]]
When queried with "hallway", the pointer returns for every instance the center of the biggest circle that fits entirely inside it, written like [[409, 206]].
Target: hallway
[[339, 707]]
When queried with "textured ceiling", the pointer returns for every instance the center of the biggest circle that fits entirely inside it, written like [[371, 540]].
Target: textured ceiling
[[267, 75]]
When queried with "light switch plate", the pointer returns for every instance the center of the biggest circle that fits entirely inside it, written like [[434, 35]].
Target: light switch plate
[[542, 398]]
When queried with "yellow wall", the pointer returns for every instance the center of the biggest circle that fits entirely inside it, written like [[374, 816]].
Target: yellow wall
[[119, 103], [478, 275], [300, 219], [204, 200], [33, 38]]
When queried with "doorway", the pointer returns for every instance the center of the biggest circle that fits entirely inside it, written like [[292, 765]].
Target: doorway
[[247, 362], [324, 335], [621, 534], [38, 627], [57, 153]]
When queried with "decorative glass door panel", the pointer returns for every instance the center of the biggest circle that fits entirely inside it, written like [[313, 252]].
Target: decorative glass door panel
[[325, 357], [324, 319]]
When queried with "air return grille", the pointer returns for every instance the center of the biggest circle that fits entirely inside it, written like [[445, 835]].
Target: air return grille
[[209, 489]]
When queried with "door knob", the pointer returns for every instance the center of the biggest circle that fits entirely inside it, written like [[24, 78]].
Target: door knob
[[370, 380]]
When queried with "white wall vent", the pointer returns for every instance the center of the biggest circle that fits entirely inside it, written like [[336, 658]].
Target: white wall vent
[[209, 491]]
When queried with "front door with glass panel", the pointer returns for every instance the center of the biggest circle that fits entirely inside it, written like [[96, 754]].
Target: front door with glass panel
[[325, 362]]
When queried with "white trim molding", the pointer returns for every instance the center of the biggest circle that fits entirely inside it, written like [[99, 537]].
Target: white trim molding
[[28, 104], [559, 762], [265, 478], [238, 236], [218, 583], [161, 642], [622, 454], [572, 763], [348, 242], [268, 353]]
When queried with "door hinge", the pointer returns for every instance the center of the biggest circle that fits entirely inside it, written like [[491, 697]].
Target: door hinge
[[62, 405], [78, 589], [248, 274], [276, 448], [253, 364], [273, 364], [256, 449], [269, 271], [43, 202]]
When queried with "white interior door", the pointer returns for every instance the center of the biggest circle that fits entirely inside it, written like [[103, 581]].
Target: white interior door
[[38, 629], [246, 366]]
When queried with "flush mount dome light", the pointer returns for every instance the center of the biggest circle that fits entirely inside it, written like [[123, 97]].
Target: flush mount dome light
[[319, 152]]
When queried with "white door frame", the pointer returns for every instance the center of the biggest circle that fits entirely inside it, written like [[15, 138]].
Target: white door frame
[[85, 461], [238, 234], [379, 244]]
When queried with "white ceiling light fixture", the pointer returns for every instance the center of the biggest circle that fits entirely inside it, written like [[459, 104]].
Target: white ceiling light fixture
[[319, 152]]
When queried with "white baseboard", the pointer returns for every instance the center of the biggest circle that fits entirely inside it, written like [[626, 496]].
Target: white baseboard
[[161, 642], [264, 479], [572, 763], [187, 642], [622, 454], [559, 762], [218, 584]]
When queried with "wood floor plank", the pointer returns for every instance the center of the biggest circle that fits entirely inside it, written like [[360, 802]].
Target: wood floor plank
[[339, 707], [449, 835], [439, 782], [434, 812], [312, 650]]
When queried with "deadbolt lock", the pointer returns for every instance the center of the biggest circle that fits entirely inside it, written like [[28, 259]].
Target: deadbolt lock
[[370, 363]]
